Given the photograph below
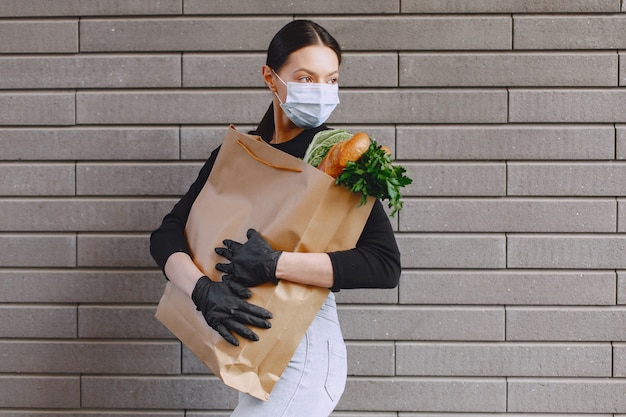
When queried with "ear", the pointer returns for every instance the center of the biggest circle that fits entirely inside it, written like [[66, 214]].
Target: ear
[[268, 77]]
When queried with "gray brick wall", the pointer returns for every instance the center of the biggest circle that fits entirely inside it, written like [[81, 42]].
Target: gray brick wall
[[509, 115]]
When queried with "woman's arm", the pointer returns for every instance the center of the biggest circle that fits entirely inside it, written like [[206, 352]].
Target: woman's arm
[[168, 245], [305, 268], [180, 269], [373, 263]]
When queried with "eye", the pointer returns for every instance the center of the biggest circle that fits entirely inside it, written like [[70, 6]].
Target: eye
[[306, 79], [333, 80]]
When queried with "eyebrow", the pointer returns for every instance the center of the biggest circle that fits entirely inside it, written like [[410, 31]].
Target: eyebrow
[[313, 72]]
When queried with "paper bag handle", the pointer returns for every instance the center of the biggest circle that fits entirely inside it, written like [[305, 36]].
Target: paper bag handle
[[263, 161]]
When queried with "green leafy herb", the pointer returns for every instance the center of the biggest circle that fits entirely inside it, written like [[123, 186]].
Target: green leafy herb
[[375, 175]]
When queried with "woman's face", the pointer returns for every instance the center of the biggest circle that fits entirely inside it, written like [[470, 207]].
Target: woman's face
[[311, 64]]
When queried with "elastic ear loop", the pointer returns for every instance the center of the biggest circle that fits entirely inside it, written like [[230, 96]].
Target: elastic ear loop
[[275, 92]]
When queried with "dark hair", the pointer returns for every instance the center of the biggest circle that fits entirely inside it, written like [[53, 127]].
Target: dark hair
[[293, 36]]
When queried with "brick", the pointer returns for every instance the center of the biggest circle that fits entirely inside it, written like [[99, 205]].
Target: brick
[[422, 323], [122, 215], [503, 359], [455, 179], [90, 71], [421, 106], [510, 142], [420, 32], [509, 6], [30, 8], [620, 142], [139, 392], [426, 394], [619, 359], [20, 391], [452, 250], [38, 321], [89, 143], [16, 250], [44, 36], [290, 7], [172, 107], [178, 34], [134, 179], [572, 251], [371, 359], [622, 69], [566, 323], [508, 215], [244, 70], [223, 70], [621, 287], [602, 395], [508, 69], [124, 250], [120, 322], [36, 108], [28, 179], [80, 286], [569, 32], [368, 296], [566, 179], [508, 287], [369, 70], [572, 106], [90, 357]]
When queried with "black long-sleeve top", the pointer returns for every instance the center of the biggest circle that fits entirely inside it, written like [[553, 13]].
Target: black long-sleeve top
[[373, 263]]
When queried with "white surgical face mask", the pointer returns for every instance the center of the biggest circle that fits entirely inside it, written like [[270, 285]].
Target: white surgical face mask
[[308, 105]]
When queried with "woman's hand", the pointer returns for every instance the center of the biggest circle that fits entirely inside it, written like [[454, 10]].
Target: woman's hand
[[251, 263], [223, 306]]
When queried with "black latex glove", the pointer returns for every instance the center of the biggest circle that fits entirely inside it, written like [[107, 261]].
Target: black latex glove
[[251, 263], [224, 309]]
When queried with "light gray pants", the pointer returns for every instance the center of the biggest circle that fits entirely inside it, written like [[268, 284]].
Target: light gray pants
[[314, 380]]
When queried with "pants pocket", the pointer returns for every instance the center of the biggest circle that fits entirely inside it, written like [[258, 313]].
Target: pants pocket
[[337, 370]]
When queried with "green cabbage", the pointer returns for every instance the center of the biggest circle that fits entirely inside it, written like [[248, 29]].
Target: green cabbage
[[321, 144]]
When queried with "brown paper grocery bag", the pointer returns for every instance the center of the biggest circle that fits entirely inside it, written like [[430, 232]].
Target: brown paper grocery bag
[[296, 208]]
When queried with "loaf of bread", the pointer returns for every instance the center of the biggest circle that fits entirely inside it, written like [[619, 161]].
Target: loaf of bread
[[341, 153]]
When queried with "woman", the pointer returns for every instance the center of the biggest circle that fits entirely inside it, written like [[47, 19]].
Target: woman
[[301, 71]]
